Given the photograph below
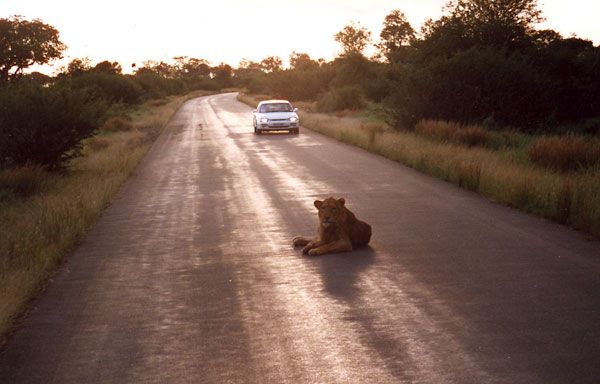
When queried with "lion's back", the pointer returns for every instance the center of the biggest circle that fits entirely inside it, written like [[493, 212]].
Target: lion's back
[[360, 234], [358, 231]]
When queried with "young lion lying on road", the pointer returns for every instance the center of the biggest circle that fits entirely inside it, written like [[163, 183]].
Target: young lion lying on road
[[339, 230]]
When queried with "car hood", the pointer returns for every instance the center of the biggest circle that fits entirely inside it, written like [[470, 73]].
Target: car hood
[[277, 115]]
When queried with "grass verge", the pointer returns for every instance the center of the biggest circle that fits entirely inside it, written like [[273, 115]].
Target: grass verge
[[44, 214], [498, 165]]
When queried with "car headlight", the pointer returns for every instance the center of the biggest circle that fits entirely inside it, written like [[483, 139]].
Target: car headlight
[[264, 120], [294, 119]]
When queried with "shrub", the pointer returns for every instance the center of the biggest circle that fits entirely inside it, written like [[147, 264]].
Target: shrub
[[299, 84], [337, 99], [157, 102], [409, 97], [117, 124], [155, 86], [440, 130], [471, 87], [97, 143], [23, 181], [203, 83], [45, 125], [354, 69], [470, 136], [113, 88], [565, 153]]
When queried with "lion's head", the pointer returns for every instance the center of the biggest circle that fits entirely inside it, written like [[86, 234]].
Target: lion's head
[[331, 211]]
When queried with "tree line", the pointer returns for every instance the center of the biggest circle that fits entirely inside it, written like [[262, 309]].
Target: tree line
[[482, 62], [43, 119]]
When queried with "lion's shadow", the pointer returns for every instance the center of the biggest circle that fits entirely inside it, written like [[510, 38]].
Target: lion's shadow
[[341, 271]]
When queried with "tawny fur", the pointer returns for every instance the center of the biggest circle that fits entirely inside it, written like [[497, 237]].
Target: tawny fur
[[339, 230]]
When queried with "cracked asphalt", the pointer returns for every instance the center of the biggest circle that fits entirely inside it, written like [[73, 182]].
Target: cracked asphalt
[[190, 276]]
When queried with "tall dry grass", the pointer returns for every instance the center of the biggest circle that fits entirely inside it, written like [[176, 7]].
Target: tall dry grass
[[24, 181], [471, 136], [43, 215], [495, 164], [566, 153]]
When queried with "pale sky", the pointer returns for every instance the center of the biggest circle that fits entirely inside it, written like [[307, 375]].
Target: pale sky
[[229, 30]]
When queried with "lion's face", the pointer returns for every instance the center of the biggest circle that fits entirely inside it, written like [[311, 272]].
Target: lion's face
[[331, 211]]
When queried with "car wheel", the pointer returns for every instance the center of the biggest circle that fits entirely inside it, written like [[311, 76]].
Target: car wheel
[[297, 131], [258, 131]]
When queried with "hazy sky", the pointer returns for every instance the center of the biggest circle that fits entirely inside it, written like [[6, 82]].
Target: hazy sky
[[132, 31]]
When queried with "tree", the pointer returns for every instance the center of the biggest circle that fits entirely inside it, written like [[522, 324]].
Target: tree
[[162, 69], [523, 13], [271, 64], [192, 67], [78, 66], [24, 43], [249, 65], [223, 73], [45, 124], [396, 33], [353, 38], [250, 75], [111, 68], [503, 24], [302, 61]]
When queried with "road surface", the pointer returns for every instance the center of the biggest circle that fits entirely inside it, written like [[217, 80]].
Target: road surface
[[190, 277]]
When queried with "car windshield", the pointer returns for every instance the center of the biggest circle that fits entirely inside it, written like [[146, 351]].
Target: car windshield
[[275, 107]]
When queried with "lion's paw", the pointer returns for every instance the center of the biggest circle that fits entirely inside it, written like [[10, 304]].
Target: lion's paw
[[314, 252]]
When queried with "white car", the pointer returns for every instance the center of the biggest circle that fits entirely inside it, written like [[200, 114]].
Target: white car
[[276, 115]]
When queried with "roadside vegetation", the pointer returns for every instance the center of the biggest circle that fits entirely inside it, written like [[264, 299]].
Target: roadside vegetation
[[480, 97]]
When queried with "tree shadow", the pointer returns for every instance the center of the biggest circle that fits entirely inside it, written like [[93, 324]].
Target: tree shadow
[[341, 271]]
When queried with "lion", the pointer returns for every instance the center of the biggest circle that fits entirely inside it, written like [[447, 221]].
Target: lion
[[339, 230]]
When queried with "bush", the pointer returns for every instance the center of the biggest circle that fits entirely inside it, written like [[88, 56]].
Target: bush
[[97, 143], [203, 84], [481, 84], [472, 136], [45, 125], [23, 181], [337, 99], [409, 96], [357, 70], [113, 88], [117, 124], [453, 132], [155, 86], [299, 84], [565, 153]]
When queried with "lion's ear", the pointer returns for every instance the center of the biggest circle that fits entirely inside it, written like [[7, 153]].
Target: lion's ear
[[342, 201], [318, 204]]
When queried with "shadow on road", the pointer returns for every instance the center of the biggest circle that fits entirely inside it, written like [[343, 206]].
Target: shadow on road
[[341, 271]]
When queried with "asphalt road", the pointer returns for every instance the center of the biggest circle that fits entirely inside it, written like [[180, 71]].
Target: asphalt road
[[190, 277]]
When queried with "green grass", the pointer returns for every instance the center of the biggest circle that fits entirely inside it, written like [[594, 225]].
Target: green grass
[[500, 165], [44, 214]]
